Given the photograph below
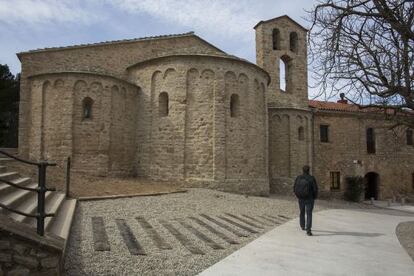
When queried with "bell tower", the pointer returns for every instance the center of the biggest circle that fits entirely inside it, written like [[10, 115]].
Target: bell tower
[[281, 50]]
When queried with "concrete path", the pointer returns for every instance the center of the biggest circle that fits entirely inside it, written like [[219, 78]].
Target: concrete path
[[345, 242], [394, 206]]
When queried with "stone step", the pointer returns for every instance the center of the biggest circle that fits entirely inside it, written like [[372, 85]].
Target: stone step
[[3, 169], [62, 223], [8, 176], [6, 188], [53, 206], [29, 207], [17, 197], [4, 160]]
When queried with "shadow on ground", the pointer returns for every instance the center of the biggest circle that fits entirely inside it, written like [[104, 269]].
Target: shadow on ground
[[338, 233]]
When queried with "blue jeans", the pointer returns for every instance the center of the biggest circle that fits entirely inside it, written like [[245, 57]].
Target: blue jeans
[[306, 205]]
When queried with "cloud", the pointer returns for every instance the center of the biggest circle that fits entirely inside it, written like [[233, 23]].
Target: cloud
[[45, 12], [226, 18]]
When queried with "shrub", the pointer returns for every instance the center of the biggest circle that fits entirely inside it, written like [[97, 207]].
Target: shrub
[[354, 188]]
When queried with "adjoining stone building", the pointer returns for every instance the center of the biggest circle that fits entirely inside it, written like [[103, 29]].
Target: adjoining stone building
[[178, 108]]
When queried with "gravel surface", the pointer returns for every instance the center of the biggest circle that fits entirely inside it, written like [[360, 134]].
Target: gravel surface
[[405, 234], [82, 259]]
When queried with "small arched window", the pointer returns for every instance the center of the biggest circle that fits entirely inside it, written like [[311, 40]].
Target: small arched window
[[301, 134], [234, 105], [293, 42], [276, 39], [87, 104], [163, 104]]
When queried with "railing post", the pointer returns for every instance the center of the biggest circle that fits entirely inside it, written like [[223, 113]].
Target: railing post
[[41, 198], [68, 177]]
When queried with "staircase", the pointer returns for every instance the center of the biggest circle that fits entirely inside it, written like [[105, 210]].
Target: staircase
[[26, 201]]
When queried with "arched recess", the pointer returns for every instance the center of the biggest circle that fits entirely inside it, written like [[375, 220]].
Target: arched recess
[[58, 83], [293, 42], [276, 39]]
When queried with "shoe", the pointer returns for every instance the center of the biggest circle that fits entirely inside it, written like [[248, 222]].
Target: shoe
[[309, 233], [303, 228]]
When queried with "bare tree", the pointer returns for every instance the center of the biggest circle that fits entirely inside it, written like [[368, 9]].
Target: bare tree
[[365, 49]]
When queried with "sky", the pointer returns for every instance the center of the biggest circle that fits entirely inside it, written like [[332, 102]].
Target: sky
[[227, 24]]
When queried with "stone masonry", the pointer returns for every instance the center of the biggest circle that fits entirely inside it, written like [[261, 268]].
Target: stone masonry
[[23, 252]]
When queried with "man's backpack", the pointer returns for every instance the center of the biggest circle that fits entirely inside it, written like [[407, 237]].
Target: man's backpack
[[303, 188]]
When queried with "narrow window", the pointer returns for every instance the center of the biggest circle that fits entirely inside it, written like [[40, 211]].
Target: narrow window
[[301, 134], [276, 39], [163, 104], [324, 133], [282, 75], [87, 108], [285, 74], [293, 42], [409, 134], [335, 180], [234, 105], [370, 140]]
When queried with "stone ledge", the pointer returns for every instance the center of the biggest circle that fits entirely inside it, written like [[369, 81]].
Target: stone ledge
[[27, 233]]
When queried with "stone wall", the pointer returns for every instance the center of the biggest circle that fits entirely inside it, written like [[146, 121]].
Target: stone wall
[[346, 152], [198, 141], [23, 252]]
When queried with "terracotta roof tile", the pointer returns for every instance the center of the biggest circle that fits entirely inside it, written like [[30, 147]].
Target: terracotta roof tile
[[342, 107]]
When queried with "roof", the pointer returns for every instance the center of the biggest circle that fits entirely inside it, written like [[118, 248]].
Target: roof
[[278, 18], [122, 41], [343, 107]]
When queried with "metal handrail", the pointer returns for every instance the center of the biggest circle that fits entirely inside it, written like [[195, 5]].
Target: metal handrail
[[23, 213], [24, 161], [40, 190]]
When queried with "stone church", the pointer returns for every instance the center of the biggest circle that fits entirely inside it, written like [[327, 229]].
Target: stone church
[[177, 108]]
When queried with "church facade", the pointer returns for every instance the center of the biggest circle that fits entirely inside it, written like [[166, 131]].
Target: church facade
[[176, 108]]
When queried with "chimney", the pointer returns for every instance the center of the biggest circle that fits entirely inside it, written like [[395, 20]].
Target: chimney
[[342, 100]]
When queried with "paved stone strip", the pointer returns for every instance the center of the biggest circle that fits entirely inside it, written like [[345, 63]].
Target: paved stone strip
[[100, 238], [245, 221], [181, 238], [130, 241], [248, 229], [282, 216], [214, 231], [153, 234], [258, 221], [276, 218], [224, 226], [201, 235], [271, 220]]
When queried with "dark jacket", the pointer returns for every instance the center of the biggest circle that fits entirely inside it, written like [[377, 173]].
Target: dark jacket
[[314, 185]]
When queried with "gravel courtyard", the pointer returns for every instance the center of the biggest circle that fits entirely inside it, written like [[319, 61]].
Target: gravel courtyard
[[174, 234]]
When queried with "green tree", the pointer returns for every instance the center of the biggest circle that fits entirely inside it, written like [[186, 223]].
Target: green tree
[[9, 107]]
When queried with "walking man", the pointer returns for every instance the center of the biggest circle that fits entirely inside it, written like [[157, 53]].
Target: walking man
[[306, 190]]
